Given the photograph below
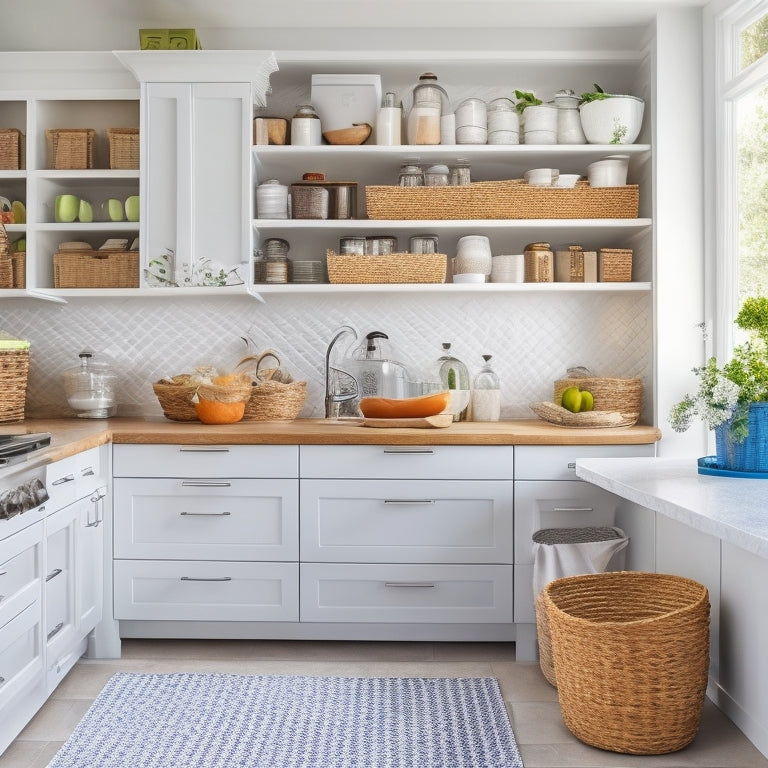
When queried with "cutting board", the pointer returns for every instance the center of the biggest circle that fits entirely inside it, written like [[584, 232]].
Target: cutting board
[[428, 422]]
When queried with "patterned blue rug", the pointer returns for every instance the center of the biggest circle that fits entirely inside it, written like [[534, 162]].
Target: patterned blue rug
[[241, 721]]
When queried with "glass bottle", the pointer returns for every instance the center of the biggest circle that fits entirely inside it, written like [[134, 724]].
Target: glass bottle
[[429, 100], [486, 394], [454, 376]]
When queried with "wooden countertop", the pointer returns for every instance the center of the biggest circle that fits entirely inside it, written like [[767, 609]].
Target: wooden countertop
[[74, 435]]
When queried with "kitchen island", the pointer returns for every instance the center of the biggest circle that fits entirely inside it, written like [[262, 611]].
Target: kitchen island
[[713, 529]]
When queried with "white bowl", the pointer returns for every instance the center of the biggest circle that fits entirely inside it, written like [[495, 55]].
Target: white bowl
[[469, 277], [567, 180], [609, 172], [615, 120], [542, 177]]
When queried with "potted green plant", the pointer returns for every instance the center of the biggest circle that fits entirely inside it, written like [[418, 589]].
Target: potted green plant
[[732, 399], [610, 118], [537, 119]]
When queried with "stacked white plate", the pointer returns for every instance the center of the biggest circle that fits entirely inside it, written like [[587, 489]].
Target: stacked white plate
[[308, 272], [508, 268]]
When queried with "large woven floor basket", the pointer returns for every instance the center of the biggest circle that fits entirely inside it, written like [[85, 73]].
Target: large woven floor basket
[[631, 657]]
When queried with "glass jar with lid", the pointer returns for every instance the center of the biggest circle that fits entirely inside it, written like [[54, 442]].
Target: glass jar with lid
[[436, 176], [454, 376], [430, 102], [276, 260], [486, 393], [411, 175], [461, 173], [569, 130]]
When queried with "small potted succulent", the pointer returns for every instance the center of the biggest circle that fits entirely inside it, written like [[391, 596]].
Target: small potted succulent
[[537, 119], [610, 118], [732, 399]]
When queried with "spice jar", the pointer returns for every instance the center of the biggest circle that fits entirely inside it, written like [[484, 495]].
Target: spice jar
[[276, 266], [436, 176], [272, 200], [423, 123], [411, 176], [388, 122], [486, 394], [305, 127], [460, 173], [539, 263]]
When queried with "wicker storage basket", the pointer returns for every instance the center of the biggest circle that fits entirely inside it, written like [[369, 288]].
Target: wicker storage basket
[[631, 658], [611, 394], [96, 269], [175, 396], [275, 401], [11, 149], [512, 199], [70, 148], [6, 272], [14, 368], [387, 268], [19, 264], [123, 148], [614, 265]]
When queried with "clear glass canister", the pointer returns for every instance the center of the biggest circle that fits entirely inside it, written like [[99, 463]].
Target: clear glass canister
[[436, 176], [411, 176], [569, 130], [430, 102], [454, 376], [90, 387], [461, 173], [486, 393], [276, 260]]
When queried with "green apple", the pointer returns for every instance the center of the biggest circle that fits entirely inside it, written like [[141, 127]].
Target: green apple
[[576, 400], [20, 246], [115, 209], [85, 212], [132, 208], [66, 208], [19, 212]]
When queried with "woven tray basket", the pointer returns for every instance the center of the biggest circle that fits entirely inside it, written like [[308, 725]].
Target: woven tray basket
[[123, 148], [388, 268], [614, 265], [11, 149], [631, 658], [70, 148], [96, 269], [513, 199], [619, 395], [14, 368]]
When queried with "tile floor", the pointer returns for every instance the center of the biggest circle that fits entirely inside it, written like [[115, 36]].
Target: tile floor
[[532, 703]]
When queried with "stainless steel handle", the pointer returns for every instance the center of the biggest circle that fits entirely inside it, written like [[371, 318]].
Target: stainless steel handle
[[87, 472], [205, 514], [397, 450], [571, 465], [3, 573], [2, 680], [409, 584], [55, 630], [193, 449], [205, 484], [573, 509], [409, 501], [62, 480], [53, 574], [210, 578], [98, 495]]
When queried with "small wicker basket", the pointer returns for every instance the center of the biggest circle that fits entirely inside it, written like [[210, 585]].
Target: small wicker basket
[[387, 268], [70, 148], [175, 396], [123, 148], [631, 658], [611, 394], [14, 369], [96, 269], [275, 396], [614, 265], [11, 149]]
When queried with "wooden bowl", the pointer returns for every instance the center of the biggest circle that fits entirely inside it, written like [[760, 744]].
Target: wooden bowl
[[357, 134]]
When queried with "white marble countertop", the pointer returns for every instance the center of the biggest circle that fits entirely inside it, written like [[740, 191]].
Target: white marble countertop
[[733, 509]]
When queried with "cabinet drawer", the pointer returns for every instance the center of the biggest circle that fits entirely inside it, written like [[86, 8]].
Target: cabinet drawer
[[21, 659], [198, 461], [185, 590], [213, 520], [557, 462], [558, 504], [406, 521], [72, 478], [406, 593], [450, 462], [20, 564]]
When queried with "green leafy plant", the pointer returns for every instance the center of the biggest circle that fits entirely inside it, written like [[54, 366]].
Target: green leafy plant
[[597, 95], [526, 99], [726, 391]]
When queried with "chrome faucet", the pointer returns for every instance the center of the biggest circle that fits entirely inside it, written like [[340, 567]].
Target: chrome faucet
[[340, 386]]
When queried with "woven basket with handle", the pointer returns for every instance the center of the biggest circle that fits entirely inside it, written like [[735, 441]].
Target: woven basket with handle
[[274, 395], [631, 658]]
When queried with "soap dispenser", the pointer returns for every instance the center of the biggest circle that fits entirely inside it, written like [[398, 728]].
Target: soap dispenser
[[454, 377], [486, 394]]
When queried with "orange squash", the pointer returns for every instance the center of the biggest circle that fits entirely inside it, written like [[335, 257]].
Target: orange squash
[[406, 407], [214, 412]]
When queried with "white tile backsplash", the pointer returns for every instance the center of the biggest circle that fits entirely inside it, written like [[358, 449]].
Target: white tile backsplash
[[533, 338]]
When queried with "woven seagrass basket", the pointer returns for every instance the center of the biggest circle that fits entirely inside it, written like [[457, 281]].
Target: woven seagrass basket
[[614, 265], [70, 148], [123, 148], [175, 396], [631, 658], [96, 269], [387, 268], [14, 368], [275, 396], [11, 149], [611, 394]]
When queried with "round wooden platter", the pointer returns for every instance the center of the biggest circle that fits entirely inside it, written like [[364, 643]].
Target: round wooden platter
[[439, 421], [556, 414]]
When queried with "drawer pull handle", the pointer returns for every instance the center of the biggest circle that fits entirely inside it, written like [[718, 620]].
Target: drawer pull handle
[[87, 472], [2, 680], [203, 450], [209, 578], [409, 450], [55, 630], [3, 573], [409, 584], [571, 465], [409, 501], [573, 509], [62, 480], [205, 514], [53, 574], [98, 495], [205, 484]]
